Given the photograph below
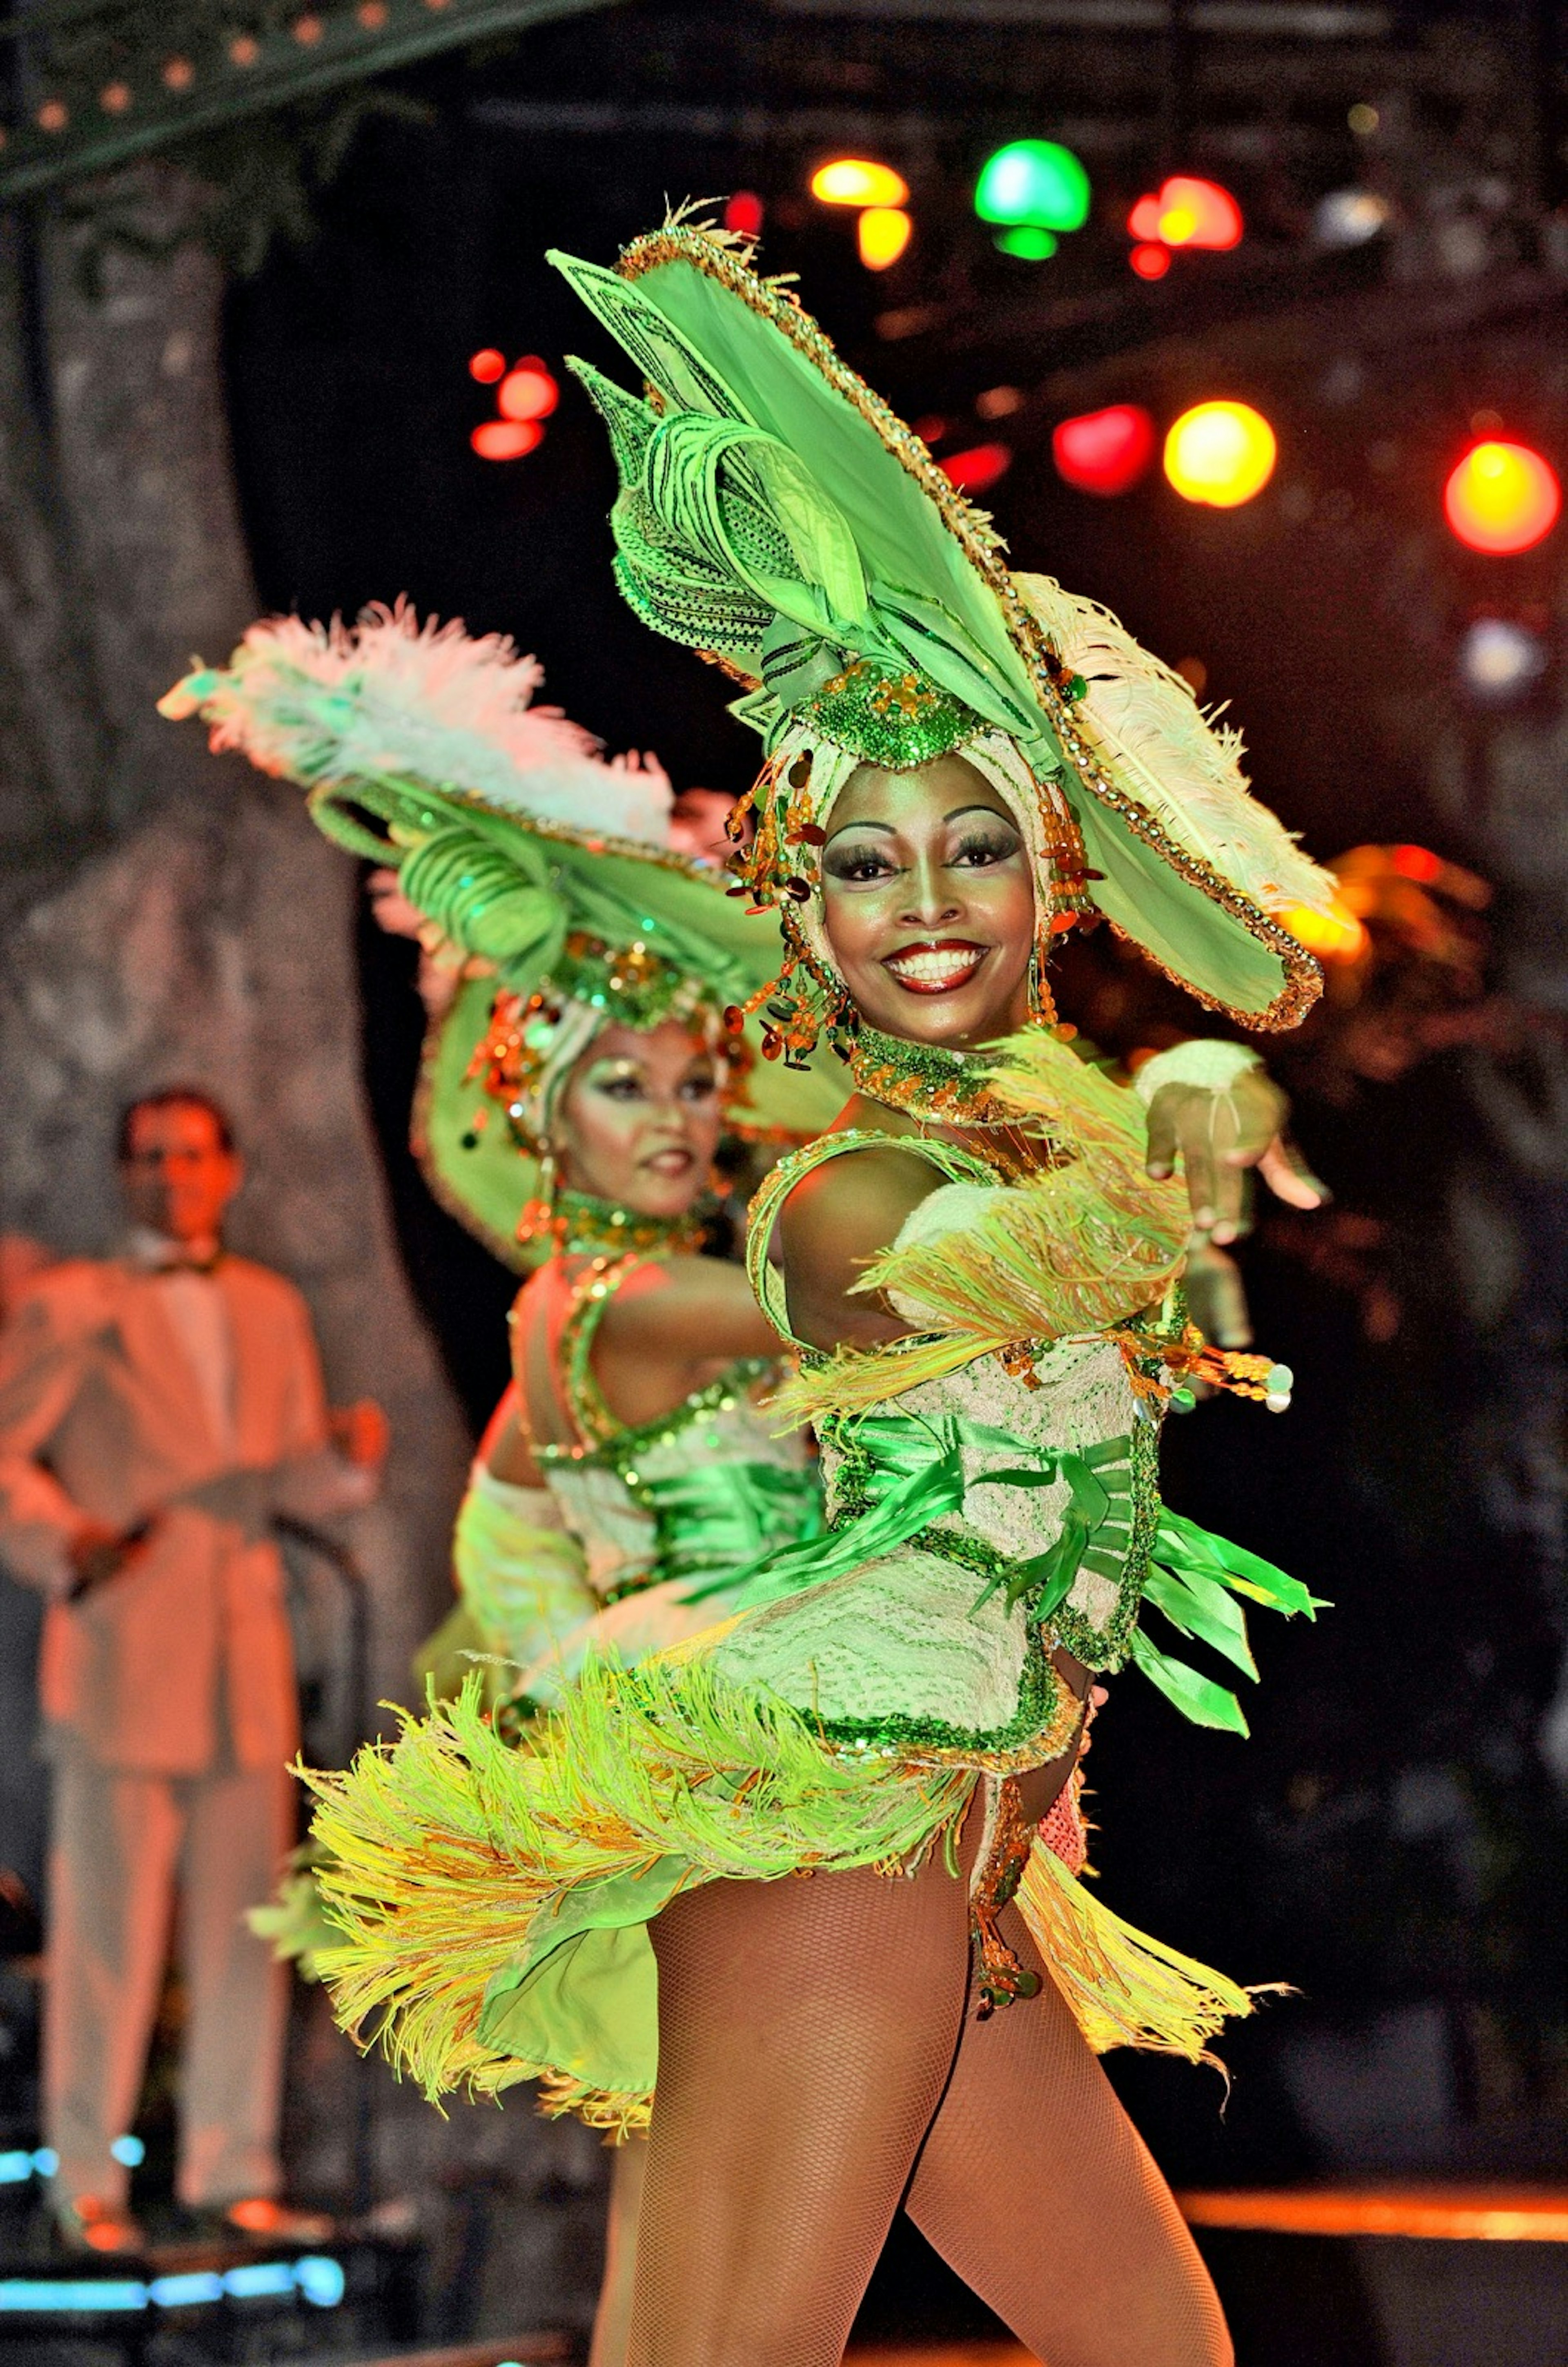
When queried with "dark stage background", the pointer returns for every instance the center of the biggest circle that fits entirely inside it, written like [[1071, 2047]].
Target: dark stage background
[[1392, 1839]]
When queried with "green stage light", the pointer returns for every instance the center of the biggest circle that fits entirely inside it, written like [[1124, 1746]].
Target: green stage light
[[1035, 184], [1026, 239]]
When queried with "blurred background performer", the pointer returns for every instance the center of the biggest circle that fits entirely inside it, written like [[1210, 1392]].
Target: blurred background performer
[[579, 1068], [156, 1410]]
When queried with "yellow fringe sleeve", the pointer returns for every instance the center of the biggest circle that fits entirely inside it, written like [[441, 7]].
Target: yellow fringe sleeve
[[1083, 1244]]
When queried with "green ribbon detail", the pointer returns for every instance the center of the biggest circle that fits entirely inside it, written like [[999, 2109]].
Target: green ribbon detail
[[715, 1518], [1192, 1580], [919, 1494], [914, 1474]]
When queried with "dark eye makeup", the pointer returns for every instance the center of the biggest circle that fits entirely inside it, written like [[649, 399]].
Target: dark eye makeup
[[978, 845]]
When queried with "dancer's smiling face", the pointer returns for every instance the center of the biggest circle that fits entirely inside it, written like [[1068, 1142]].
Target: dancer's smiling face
[[928, 903], [639, 1118]]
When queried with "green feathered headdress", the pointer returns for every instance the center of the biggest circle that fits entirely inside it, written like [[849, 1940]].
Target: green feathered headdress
[[543, 872], [776, 514]]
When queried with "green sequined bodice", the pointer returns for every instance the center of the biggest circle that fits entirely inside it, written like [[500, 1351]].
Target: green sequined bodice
[[693, 1496]]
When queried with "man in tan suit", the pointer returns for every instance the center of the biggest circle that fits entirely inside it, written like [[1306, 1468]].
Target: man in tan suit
[[156, 1411]]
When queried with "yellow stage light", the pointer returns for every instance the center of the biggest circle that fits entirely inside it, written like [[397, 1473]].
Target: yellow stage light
[[853, 181], [1502, 498], [883, 232], [1221, 453]]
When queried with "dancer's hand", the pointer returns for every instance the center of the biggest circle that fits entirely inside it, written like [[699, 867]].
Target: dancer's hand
[[1218, 1133]]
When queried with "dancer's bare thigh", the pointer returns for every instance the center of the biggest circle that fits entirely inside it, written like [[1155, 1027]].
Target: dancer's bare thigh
[[1035, 2187], [807, 2030]]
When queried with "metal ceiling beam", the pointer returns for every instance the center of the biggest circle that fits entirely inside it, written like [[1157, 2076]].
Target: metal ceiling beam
[[104, 88], [1302, 20]]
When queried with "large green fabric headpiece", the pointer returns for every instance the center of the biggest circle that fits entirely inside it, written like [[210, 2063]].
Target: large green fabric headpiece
[[539, 870], [777, 515]]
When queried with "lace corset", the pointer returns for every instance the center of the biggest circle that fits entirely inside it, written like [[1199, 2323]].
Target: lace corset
[[1073, 1448]]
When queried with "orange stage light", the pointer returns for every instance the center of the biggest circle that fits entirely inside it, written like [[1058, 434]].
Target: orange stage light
[[1188, 212], [882, 232], [1220, 453], [1197, 213], [1502, 498], [855, 181], [505, 439]]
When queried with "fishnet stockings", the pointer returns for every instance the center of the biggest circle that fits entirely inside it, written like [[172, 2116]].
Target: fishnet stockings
[[814, 2053], [613, 2318]]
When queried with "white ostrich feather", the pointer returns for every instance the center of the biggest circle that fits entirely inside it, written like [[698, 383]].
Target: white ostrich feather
[[391, 696], [1183, 765]]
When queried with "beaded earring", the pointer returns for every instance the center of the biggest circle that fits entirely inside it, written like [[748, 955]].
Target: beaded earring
[[539, 1217]]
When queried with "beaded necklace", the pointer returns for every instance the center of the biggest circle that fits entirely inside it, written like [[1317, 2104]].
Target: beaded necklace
[[582, 1223], [929, 1081]]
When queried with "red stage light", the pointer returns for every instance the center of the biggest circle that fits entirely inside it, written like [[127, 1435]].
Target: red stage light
[[980, 466], [505, 439], [1104, 451], [528, 391], [743, 213], [1150, 262], [1502, 498], [487, 364], [1417, 863]]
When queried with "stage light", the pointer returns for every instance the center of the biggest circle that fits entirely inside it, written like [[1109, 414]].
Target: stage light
[[1502, 498], [1149, 261], [1197, 213], [1104, 451], [1035, 184], [1221, 453], [320, 2280], [505, 439], [981, 466], [1336, 935], [487, 364], [1499, 660], [853, 181], [1187, 212], [1362, 118], [882, 233], [743, 213], [1028, 240], [129, 2152], [1417, 863], [528, 391], [1350, 217]]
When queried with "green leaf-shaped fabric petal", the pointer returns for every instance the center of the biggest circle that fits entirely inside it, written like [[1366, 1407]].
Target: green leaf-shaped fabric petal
[[1200, 1607], [1196, 1697]]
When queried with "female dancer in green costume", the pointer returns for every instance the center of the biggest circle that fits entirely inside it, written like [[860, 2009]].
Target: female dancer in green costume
[[627, 1462], [959, 763]]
